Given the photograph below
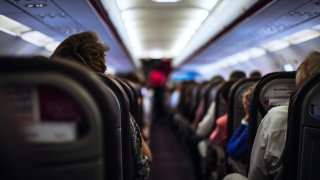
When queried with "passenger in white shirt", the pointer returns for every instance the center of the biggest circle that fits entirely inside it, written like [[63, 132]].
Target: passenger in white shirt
[[266, 155]]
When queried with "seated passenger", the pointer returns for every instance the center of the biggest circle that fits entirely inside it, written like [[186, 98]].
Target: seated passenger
[[85, 48], [219, 134], [206, 123], [238, 143], [255, 74], [236, 75], [266, 155], [270, 140]]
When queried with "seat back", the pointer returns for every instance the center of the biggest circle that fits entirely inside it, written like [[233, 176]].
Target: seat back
[[196, 99], [126, 136], [211, 92], [69, 120], [235, 111], [272, 90], [137, 98], [13, 150], [301, 154], [220, 108]]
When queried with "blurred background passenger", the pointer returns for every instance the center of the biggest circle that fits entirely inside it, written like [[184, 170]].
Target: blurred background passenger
[[219, 135], [238, 143], [205, 126], [236, 75], [255, 74], [267, 153], [157, 79]]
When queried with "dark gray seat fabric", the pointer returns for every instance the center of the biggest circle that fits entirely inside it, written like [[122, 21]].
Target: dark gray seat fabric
[[235, 110], [220, 108], [127, 146], [301, 158], [67, 94], [12, 150], [235, 115]]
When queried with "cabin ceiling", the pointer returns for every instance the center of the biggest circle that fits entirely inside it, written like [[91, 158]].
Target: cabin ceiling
[[171, 29], [282, 24], [192, 33], [159, 30], [156, 29], [58, 19]]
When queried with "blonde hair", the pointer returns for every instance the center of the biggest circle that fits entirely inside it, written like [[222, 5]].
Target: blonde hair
[[309, 67], [247, 97]]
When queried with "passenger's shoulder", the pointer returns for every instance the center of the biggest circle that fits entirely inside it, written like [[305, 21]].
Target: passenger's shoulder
[[275, 120], [278, 110]]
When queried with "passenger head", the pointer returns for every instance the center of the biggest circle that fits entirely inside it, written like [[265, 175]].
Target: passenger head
[[224, 91], [246, 99], [84, 48], [236, 75], [255, 74], [309, 67], [216, 79]]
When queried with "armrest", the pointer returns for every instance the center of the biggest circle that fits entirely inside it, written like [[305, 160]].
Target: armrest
[[221, 161]]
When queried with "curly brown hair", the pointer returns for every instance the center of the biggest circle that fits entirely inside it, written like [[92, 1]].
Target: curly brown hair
[[84, 48]]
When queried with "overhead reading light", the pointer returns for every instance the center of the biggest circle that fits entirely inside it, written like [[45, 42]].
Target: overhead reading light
[[12, 27], [166, 1]]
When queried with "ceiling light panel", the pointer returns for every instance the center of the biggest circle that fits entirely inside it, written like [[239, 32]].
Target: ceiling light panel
[[11, 26], [275, 45], [166, 27], [52, 46], [214, 24], [166, 1], [37, 38], [301, 36]]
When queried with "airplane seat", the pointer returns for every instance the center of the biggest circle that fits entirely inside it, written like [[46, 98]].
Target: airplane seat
[[235, 115], [220, 108], [140, 115], [131, 96], [201, 106], [181, 116], [210, 94], [301, 153], [13, 150], [204, 145], [235, 107], [127, 150], [215, 154], [210, 97], [272, 90], [196, 91], [69, 120], [137, 101]]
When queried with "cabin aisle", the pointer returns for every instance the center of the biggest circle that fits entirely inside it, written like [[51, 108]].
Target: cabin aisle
[[170, 160]]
